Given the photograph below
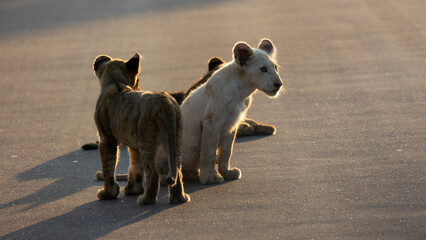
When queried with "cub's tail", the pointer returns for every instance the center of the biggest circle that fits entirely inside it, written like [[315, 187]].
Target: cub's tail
[[173, 125]]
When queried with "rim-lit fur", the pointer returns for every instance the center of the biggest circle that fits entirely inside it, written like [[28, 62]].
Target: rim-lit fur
[[148, 123], [212, 113]]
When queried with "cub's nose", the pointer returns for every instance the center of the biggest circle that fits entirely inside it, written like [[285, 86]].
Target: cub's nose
[[278, 84]]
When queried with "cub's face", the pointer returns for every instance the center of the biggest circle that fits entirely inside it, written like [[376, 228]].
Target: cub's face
[[117, 71], [264, 72], [259, 66]]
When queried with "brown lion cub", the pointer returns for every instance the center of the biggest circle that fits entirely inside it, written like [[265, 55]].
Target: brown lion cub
[[145, 122]]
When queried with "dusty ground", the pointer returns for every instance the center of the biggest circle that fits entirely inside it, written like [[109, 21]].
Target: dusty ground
[[347, 162]]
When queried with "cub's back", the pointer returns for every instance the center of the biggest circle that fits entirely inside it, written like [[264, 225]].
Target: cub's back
[[126, 115]]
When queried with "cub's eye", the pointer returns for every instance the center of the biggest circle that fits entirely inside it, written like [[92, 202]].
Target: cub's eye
[[263, 69], [276, 68]]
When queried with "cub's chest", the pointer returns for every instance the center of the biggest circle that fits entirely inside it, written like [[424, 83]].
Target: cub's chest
[[239, 106], [233, 114]]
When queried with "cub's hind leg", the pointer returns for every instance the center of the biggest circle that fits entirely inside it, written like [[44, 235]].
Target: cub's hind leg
[[135, 178], [176, 192], [260, 128], [245, 129], [108, 149], [191, 162], [250, 127], [209, 144], [225, 151], [152, 178]]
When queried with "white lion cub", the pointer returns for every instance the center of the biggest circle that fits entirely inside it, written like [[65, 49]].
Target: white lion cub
[[212, 113]]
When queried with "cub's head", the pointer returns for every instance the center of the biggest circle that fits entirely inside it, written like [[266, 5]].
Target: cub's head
[[258, 66], [124, 74]]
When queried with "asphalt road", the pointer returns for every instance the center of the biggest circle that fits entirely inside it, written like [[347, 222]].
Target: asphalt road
[[348, 160]]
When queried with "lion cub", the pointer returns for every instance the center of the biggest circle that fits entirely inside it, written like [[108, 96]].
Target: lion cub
[[248, 127], [146, 122], [212, 113]]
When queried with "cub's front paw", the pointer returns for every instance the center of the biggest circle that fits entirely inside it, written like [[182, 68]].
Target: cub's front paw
[[134, 185], [133, 189], [232, 174], [179, 199], [111, 194], [146, 200], [210, 177]]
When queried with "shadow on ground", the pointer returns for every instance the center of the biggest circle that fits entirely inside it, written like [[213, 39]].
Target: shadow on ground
[[74, 173], [98, 218], [250, 138]]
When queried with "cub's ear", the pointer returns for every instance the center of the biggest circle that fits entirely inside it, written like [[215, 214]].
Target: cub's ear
[[132, 64], [215, 62], [267, 46], [100, 60], [242, 53], [136, 85]]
